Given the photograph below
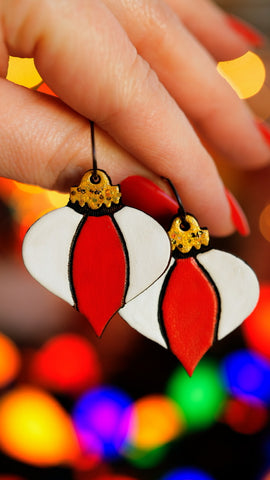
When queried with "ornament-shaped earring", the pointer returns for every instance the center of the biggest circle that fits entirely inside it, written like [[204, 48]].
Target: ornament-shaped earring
[[96, 253], [204, 294]]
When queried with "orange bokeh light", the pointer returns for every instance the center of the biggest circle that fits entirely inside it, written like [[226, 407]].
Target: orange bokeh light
[[157, 420], [264, 223], [10, 361]]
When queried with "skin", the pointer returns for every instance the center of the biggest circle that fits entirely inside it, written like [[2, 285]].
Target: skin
[[145, 72]]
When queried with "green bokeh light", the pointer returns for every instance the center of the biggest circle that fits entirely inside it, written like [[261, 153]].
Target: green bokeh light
[[201, 397], [146, 458]]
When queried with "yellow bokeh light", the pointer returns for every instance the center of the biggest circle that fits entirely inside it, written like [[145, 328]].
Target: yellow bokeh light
[[10, 361], [57, 199], [35, 429], [23, 72], [157, 420], [264, 223], [24, 187], [245, 74]]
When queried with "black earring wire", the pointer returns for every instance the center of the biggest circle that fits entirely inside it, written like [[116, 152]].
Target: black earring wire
[[95, 178], [181, 211]]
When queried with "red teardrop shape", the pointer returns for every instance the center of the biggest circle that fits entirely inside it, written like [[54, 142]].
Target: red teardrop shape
[[189, 309], [98, 271]]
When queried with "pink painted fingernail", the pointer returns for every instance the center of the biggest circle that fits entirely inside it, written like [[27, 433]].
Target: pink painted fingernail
[[250, 34], [264, 129], [237, 215]]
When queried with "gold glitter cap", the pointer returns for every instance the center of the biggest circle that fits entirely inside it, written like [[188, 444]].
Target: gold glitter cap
[[95, 190], [187, 234]]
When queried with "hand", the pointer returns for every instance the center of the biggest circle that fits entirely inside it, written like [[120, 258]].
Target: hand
[[145, 72]]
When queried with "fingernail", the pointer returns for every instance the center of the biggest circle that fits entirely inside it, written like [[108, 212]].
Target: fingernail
[[264, 129], [140, 192], [237, 215], [250, 34]]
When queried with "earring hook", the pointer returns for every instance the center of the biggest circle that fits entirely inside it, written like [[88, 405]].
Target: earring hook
[[95, 178], [181, 210]]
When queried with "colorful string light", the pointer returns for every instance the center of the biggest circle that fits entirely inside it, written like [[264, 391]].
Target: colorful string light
[[200, 397], [67, 363], [245, 417], [10, 361], [156, 420], [256, 328], [247, 375], [102, 419], [187, 474], [23, 72], [245, 74], [35, 429]]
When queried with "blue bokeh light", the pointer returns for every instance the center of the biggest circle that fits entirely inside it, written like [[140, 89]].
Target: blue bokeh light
[[247, 375], [102, 419], [187, 474]]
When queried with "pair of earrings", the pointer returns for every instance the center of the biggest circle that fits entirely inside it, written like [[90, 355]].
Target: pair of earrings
[[103, 257]]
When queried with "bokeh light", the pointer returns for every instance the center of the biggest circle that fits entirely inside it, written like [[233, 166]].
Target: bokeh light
[[200, 397], [256, 328], [35, 429], [67, 363], [23, 72], [264, 222], [111, 476], [156, 420], [10, 361], [146, 459], [28, 203], [245, 74], [266, 476], [10, 477], [245, 417], [187, 474], [247, 375], [102, 419]]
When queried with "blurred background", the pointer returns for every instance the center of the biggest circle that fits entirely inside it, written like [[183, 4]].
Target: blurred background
[[76, 407]]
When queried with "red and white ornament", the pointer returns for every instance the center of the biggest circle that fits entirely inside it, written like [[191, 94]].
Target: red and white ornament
[[204, 294], [95, 253]]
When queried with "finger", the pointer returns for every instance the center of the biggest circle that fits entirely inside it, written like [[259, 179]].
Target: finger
[[190, 75], [44, 142], [84, 54], [224, 36]]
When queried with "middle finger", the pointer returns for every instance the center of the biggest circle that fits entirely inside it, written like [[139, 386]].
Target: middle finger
[[189, 73]]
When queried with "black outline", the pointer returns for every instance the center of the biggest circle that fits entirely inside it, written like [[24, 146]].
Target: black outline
[[71, 253], [160, 301], [211, 281], [122, 239], [87, 211], [70, 258], [163, 290]]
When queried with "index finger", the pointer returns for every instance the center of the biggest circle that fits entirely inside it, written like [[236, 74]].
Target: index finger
[[86, 57]]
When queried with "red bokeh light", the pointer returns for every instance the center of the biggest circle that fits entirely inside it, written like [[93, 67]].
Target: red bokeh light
[[245, 417], [256, 328], [67, 363]]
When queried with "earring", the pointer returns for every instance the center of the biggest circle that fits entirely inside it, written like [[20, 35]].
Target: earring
[[203, 295], [96, 253]]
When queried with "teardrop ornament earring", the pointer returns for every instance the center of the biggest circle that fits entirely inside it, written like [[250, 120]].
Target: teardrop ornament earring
[[204, 294], [96, 253]]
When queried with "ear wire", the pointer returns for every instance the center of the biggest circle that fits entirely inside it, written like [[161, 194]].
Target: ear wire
[[95, 178], [181, 211]]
